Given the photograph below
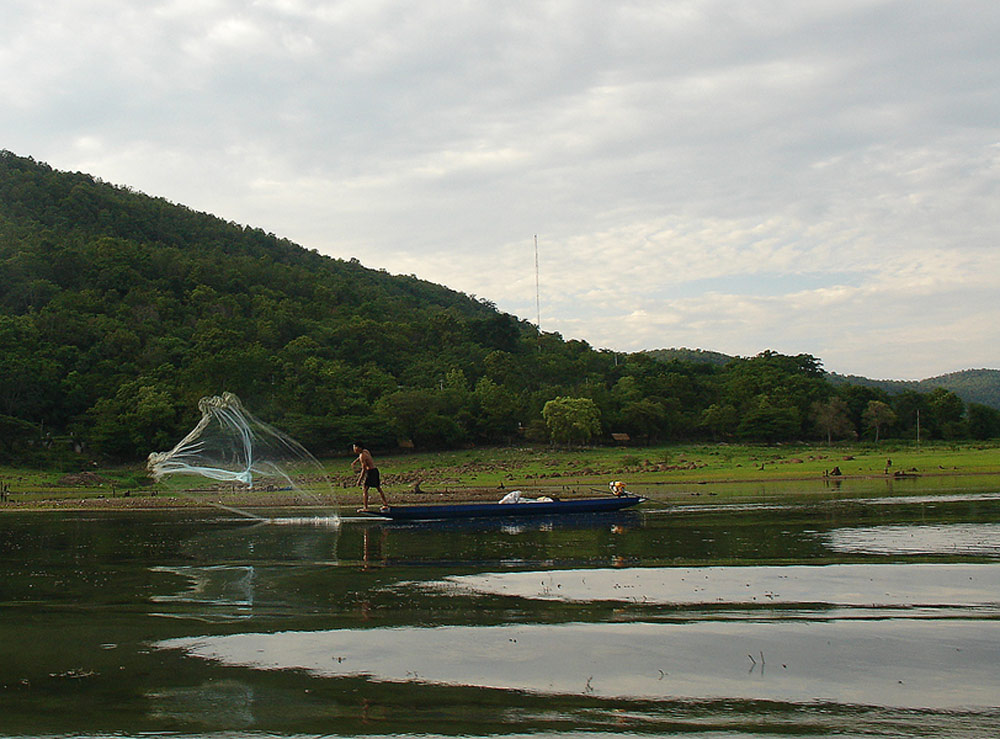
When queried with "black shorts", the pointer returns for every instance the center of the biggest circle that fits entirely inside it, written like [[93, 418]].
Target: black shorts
[[372, 479]]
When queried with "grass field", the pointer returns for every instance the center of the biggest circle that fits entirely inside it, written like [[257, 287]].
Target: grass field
[[476, 471], [689, 463]]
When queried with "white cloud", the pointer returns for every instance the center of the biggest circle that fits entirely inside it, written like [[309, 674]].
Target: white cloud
[[819, 177]]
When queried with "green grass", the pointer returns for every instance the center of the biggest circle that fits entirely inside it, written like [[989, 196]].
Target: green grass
[[591, 467], [690, 463]]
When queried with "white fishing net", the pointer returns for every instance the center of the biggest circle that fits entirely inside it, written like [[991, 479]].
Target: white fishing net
[[229, 444]]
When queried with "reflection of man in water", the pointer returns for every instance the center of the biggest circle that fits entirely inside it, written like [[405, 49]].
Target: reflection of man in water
[[368, 477]]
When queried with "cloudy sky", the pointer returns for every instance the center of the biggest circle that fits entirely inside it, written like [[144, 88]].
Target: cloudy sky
[[817, 176]]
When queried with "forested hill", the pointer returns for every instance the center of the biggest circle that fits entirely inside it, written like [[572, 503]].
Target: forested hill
[[118, 311], [41, 208], [690, 355], [973, 386]]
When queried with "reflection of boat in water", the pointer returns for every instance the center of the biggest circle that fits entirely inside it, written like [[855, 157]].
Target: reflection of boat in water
[[520, 508]]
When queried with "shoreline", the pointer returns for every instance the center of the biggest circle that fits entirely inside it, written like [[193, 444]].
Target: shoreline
[[349, 499]]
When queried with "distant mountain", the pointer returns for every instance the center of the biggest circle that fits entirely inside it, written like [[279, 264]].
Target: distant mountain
[[972, 385]]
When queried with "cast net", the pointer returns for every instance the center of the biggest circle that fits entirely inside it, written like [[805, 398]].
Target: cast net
[[230, 445]]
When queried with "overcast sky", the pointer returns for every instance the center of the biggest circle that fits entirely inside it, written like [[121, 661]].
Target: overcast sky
[[818, 176]]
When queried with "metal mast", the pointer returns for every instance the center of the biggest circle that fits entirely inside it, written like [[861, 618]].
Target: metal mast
[[538, 302]]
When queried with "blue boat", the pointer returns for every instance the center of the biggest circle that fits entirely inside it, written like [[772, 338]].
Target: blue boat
[[507, 510]]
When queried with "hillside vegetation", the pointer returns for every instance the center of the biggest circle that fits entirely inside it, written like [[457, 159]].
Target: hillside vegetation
[[118, 311], [973, 385], [980, 386]]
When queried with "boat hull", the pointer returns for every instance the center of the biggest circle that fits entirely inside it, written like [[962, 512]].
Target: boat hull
[[507, 510]]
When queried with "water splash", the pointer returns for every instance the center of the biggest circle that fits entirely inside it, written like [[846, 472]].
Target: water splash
[[317, 521]]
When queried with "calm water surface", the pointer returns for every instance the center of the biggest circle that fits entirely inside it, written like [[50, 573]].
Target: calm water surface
[[856, 615]]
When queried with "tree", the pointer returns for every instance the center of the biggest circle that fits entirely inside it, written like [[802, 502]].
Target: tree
[[15, 433], [136, 421], [405, 410], [25, 374], [949, 412], [912, 411], [437, 431], [720, 420], [769, 422], [646, 417], [833, 418], [496, 410], [572, 420], [788, 382], [626, 390], [984, 421], [878, 416]]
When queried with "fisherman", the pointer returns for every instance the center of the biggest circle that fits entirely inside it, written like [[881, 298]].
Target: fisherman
[[368, 476]]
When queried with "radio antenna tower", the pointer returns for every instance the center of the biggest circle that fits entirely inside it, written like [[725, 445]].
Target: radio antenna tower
[[538, 302]]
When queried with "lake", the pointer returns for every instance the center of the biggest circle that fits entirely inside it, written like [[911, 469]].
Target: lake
[[843, 614]]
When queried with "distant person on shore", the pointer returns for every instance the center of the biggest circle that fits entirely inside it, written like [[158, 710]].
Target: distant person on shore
[[368, 476]]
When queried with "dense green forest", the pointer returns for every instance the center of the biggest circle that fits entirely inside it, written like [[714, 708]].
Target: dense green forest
[[973, 385], [980, 386], [118, 311]]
